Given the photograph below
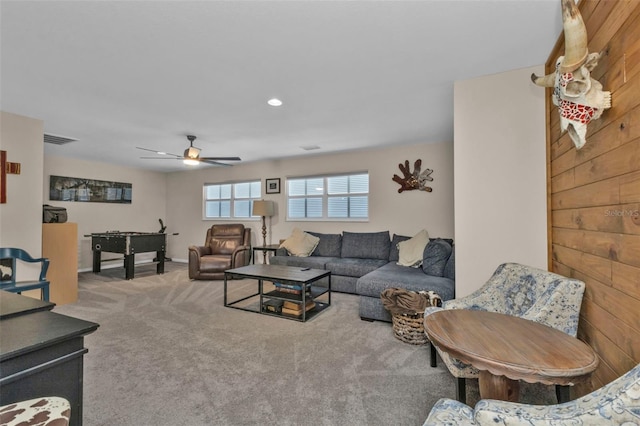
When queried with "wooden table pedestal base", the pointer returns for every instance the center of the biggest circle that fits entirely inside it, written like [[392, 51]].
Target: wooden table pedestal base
[[498, 387]]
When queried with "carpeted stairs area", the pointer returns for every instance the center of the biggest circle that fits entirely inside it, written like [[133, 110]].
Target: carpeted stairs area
[[168, 352]]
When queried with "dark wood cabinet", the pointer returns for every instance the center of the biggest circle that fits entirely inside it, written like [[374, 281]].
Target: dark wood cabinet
[[15, 305], [41, 354]]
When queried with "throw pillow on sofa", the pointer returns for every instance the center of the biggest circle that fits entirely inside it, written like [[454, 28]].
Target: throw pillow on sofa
[[450, 267], [394, 254], [300, 243], [435, 257], [410, 251]]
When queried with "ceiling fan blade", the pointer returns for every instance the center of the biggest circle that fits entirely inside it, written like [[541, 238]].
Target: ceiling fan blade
[[207, 161], [158, 152], [221, 158], [146, 149], [163, 158]]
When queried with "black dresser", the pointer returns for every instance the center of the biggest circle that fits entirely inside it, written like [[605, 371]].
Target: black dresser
[[41, 352]]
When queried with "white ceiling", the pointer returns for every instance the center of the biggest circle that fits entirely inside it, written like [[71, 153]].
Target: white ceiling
[[352, 74]]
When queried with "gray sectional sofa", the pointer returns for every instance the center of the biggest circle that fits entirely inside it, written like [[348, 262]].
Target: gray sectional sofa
[[364, 263]]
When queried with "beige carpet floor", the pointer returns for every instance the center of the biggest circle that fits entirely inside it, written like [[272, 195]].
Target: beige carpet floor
[[168, 352]]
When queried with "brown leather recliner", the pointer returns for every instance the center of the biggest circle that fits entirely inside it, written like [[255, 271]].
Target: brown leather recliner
[[226, 247]]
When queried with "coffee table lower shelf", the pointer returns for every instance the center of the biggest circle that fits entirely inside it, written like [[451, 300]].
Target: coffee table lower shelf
[[264, 274], [278, 295]]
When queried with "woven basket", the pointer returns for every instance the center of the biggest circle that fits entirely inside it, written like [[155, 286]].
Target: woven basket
[[409, 328]]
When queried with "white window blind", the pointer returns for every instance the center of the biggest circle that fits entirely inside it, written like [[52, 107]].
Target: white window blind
[[336, 197], [230, 200]]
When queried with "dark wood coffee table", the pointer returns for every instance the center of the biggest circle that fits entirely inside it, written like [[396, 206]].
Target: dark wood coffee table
[[294, 276], [506, 349]]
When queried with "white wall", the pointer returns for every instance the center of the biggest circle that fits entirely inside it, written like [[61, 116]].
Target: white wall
[[500, 175], [21, 215], [147, 206], [405, 213], [499, 171]]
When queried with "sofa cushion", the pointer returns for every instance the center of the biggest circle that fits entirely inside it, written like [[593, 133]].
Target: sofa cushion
[[411, 251], [350, 267], [300, 243], [393, 249], [393, 275], [341, 284], [330, 245], [315, 262], [365, 245], [436, 254]]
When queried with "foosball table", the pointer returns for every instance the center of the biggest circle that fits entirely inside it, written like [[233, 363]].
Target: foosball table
[[129, 244]]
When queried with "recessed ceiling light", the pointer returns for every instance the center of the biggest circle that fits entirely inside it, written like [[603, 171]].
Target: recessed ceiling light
[[275, 102]]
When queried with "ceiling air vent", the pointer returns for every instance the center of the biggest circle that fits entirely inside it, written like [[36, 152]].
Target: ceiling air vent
[[58, 140]]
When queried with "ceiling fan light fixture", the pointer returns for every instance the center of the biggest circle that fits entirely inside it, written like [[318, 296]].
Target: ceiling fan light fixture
[[191, 156], [192, 152], [190, 162]]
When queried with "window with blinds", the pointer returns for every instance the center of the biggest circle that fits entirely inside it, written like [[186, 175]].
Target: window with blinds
[[335, 197], [231, 200]]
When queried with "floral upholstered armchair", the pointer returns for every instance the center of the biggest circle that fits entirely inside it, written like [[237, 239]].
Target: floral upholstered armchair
[[522, 291], [617, 403]]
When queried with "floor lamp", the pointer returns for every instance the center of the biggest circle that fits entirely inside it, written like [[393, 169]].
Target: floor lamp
[[265, 209]]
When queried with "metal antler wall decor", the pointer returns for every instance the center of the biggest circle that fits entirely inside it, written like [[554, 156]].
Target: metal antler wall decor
[[416, 180]]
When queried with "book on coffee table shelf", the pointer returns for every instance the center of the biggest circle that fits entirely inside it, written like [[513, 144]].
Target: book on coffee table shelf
[[290, 291], [272, 305], [293, 308], [291, 288]]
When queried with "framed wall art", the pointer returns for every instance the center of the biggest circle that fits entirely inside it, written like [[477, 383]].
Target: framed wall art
[[63, 188], [273, 186]]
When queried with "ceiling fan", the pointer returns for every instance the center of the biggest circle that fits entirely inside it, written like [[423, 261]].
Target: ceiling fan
[[191, 155]]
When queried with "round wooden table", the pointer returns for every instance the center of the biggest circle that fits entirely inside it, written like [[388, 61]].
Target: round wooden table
[[506, 349]]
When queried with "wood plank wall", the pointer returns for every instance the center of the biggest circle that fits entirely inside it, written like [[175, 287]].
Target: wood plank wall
[[594, 194]]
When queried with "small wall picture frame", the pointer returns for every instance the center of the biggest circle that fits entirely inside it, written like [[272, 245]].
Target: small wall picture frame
[[272, 186]]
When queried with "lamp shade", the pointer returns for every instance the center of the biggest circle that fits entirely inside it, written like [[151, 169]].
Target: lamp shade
[[263, 208]]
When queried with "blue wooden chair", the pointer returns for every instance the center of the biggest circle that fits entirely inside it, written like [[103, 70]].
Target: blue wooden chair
[[8, 260]]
